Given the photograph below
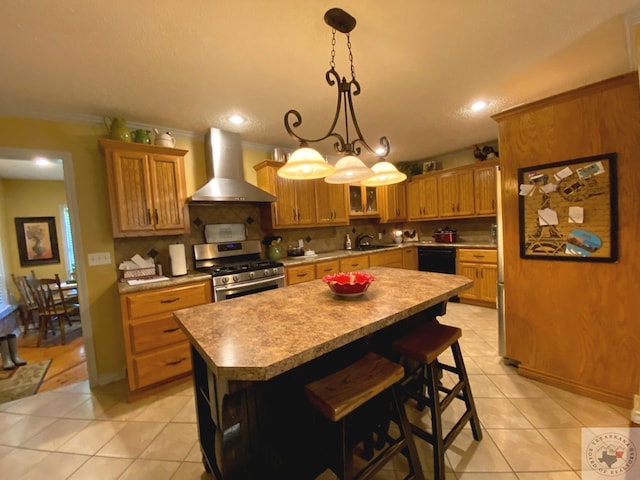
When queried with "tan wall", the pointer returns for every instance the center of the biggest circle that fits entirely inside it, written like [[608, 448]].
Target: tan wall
[[90, 184], [81, 142], [32, 198], [575, 324]]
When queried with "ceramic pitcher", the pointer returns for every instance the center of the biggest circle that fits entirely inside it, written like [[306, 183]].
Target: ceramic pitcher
[[117, 128]]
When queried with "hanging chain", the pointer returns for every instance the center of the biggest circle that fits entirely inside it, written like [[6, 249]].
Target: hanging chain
[[353, 72], [332, 63]]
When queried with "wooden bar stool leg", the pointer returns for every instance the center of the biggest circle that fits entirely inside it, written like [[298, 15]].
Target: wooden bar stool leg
[[436, 421], [466, 392]]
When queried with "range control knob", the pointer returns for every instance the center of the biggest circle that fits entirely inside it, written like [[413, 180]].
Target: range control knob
[[252, 275], [275, 271], [235, 278], [267, 273], [225, 279]]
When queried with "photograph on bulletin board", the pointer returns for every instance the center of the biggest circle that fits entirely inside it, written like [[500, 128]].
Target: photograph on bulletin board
[[568, 210]]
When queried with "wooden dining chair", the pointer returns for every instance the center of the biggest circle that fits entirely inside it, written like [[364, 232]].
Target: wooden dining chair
[[53, 308], [68, 301], [27, 304]]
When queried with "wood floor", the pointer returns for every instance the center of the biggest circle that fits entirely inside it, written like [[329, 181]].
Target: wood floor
[[68, 363]]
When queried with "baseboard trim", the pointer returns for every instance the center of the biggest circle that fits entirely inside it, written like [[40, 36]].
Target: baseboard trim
[[574, 387]]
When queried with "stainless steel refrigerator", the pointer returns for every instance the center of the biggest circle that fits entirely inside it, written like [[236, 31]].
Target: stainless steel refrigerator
[[502, 328]]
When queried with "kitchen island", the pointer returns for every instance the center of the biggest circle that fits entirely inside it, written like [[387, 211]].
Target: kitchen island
[[252, 355]]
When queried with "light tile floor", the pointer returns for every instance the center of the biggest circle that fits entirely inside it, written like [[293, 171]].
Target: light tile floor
[[531, 431]]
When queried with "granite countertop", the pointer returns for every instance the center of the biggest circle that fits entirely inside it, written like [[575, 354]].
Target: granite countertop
[[263, 335], [476, 244], [337, 254], [124, 287]]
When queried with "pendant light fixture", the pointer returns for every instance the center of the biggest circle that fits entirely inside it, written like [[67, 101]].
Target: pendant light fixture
[[384, 173], [349, 169]]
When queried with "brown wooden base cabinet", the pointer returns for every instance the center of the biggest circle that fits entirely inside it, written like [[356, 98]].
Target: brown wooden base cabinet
[[481, 266], [157, 352]]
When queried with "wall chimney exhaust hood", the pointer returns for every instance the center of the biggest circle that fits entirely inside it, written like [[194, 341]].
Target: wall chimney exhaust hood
[[223, 151]]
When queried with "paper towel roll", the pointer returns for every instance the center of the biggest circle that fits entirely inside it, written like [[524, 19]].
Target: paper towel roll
[[178, 259]]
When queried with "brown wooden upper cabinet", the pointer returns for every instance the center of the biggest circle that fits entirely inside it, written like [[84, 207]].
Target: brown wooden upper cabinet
[[363, 201], [485, 188], [422, 197], [301, 202], [455, 193], [147, 189], [393, 202], [332, 203], [295, 204]]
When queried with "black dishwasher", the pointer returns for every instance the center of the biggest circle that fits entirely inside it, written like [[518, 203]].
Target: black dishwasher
[[437, 259]]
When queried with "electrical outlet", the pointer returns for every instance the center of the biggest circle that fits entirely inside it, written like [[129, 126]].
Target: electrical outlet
[[100, 258]]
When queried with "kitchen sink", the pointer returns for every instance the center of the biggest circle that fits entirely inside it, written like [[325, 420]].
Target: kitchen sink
[[363, 248]]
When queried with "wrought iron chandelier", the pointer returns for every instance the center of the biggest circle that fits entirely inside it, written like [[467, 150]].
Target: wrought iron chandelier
[[307, 163]]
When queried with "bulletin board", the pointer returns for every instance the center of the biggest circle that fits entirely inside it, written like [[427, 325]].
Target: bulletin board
[[568, 210]]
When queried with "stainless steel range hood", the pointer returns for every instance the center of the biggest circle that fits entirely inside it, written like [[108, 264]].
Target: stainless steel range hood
[[223, 151]]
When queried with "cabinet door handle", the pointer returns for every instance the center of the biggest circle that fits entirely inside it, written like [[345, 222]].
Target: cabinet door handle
[[301, 275], [478, 256], [327, 270], [170, 330], [176, 362], [148, 217], [155, 214], [493, 204], [170, 300]]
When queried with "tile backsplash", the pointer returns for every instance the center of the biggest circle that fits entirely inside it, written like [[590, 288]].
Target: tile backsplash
[[321, 239]]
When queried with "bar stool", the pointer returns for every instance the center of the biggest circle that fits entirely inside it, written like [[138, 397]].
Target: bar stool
[[346, 393], [422, 347]]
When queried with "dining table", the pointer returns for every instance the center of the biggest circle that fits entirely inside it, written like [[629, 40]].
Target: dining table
[[252, 356]]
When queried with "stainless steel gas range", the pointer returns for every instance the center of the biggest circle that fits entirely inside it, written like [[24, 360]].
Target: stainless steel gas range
[[235, 264]]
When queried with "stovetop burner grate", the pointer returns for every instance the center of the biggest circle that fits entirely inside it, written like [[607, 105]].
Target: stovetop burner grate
[[232, 268]]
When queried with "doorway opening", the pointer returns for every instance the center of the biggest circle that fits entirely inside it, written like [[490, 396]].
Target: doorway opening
[[77, 357]]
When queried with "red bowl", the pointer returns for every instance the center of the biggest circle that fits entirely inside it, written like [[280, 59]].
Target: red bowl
[[348, 283]]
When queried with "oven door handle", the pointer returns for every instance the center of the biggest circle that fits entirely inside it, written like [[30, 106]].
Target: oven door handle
[[250, 284]]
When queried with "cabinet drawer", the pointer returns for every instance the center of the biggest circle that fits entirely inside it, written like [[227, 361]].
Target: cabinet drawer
[[166, 300], [326, 268], [156, 333], [353, 264], [162, 365], [391, 258], [479, 256], [300, 273]]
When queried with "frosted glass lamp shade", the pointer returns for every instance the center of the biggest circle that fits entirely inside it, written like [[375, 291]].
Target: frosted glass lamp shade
[[349, 169], [305, 164], [384, 173]]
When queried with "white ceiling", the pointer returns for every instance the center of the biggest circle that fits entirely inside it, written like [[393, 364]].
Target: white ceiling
[[187, 65]]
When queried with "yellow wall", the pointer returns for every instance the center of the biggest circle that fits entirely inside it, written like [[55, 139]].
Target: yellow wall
[[24, 198], [81, 142]]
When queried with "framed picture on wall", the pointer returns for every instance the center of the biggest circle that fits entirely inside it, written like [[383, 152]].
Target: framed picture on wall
[[568, 210], [37, 240]]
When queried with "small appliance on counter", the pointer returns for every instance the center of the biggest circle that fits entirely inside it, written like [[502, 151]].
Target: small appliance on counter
[[445, 235]]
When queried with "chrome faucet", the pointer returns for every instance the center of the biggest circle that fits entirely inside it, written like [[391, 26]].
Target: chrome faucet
[[360, 238]]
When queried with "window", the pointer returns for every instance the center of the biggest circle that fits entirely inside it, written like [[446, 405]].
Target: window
[[67, 239]]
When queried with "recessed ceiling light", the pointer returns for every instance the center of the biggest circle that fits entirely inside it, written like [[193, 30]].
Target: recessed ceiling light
[[480, 105], [236, 119]]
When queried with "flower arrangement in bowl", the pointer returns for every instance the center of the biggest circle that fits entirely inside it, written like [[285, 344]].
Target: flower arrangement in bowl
[[349, 283]]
